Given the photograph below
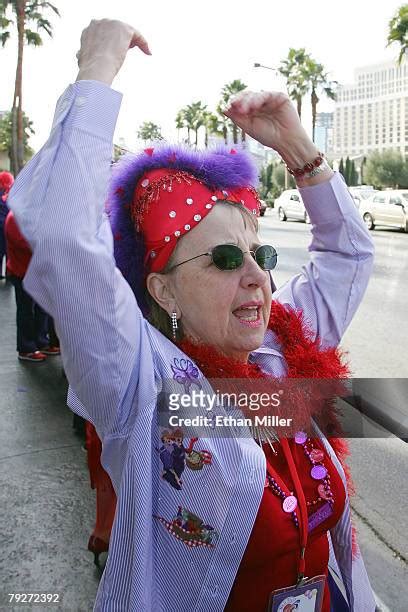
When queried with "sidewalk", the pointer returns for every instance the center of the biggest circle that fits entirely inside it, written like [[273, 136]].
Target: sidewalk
[[47, 505]]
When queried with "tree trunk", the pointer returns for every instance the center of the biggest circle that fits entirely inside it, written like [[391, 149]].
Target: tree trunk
[[206, 138], [225, 134], [314, 101], [13, 147], [235, 134], [243, 136], [299, 106], [188, 135], [18, 95]]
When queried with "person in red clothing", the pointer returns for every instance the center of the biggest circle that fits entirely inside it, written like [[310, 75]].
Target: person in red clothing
[[6, 182], [36, 337]]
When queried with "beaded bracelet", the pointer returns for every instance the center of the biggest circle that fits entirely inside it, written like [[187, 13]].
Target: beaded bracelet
[[309, 168]]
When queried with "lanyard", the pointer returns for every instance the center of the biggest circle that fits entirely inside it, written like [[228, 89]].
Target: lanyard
[[303, 518]]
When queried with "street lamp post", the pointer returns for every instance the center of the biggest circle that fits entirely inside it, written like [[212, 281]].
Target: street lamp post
[[258, 65]]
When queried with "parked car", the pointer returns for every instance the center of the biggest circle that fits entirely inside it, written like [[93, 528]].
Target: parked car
[[361, 192], [388, 208], [289, 205], [262, 208]]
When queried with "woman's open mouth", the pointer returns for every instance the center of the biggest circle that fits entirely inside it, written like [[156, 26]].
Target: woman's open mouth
[[248, 315]]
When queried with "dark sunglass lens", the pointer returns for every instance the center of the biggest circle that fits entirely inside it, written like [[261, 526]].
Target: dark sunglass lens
[[227, 257], [266, 257]]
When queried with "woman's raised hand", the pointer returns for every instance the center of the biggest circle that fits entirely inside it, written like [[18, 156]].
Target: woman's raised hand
[[271, 119], [104, 45]]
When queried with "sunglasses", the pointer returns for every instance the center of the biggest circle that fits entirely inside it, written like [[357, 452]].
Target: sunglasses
[[231, 257]]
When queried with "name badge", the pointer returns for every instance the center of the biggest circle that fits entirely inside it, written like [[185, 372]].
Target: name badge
[[306, 597], [320, 516]]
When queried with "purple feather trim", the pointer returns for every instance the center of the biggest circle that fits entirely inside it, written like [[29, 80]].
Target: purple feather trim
[[218, 168]]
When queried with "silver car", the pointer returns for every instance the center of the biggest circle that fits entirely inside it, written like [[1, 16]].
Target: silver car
[[388, 208], [289, 205]]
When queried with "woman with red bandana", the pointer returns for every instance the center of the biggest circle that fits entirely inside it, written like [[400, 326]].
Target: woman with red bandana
[[178, 295]]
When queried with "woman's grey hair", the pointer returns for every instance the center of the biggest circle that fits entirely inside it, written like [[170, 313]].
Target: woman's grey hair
[[157, 315]]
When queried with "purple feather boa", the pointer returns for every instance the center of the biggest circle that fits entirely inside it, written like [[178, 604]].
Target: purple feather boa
[[218, 168]]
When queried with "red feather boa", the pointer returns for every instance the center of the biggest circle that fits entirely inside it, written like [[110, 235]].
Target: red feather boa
[[305, 359]]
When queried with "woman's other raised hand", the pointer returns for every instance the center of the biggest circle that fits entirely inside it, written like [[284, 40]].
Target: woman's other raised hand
[[104, 45]]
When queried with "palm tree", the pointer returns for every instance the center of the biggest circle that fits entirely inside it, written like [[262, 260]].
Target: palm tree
[[198, 113], [180, 124], [293, 69], [27, 13], [224, 123], [398, 30], [149, 131], [213, 125], [6, 134], [192, 117], [317, 79], [228, 91]]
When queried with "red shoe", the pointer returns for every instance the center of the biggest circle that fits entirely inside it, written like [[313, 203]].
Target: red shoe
[[97, 546], [51, 350], [35, 356]]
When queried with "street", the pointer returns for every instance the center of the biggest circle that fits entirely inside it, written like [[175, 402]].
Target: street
[[379, 463], [384, 310]]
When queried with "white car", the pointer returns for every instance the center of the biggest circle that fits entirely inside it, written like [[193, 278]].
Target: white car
[[289, 205], [361, 193], [388, 208]]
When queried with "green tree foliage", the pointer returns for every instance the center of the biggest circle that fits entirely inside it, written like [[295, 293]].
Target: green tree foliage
[[149, 131], [192, 117], [6, 135], [212, 125], [353, 174], [398, 30], [266, 181], [347, 170], [387, 169], [228, 91], [317, 79], [293, 68], [341, 168], [278, 177], [23, 15]]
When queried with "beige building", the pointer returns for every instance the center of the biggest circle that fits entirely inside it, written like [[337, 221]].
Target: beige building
[[372, 114]]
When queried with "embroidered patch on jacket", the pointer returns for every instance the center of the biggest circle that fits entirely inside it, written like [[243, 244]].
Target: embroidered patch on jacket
[[190, 529], [185, 373], [175, 457]]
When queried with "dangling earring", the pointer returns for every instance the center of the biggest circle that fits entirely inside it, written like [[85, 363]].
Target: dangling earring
[[174, 324]]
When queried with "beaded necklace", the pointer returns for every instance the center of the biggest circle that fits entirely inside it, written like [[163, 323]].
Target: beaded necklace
[[318, 472]]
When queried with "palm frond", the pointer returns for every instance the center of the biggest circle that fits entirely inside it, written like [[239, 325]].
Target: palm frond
[[33, 38], [4, 36]]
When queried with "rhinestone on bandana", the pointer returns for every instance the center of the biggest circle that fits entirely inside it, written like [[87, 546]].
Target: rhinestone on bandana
[[225, 193], [254, 211], [145, 182], [242, 202], [189, 201], [177, 233], [172, 214], [187, 227], [167, 239], [197, 217], [214, 198], [153, 254], [208, 205]]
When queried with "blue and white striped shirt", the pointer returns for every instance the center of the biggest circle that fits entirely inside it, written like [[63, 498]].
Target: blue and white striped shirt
[[118, 364]]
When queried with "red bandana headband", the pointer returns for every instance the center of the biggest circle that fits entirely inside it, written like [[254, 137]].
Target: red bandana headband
[[167, 203]]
